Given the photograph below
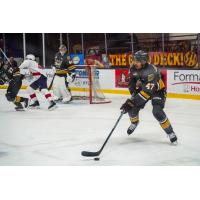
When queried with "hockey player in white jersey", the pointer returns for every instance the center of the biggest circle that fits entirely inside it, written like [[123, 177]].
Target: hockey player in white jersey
[[39, 81]]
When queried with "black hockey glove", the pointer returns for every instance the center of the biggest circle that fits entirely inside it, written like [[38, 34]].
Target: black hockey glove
[[128, 105]]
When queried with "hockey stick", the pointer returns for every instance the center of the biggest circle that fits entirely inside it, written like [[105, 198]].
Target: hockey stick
[[5, 56], [50, 86], [97, 153]]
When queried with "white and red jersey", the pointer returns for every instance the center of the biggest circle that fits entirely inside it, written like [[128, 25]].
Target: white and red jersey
[[34, 68]]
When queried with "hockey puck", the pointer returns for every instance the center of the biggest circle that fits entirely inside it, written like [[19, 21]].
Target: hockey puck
[[96, 159]]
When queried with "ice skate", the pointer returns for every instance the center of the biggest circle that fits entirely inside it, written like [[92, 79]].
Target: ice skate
[[19, 107], [131, 128], [35, 105], [173, 138], [52, 105]]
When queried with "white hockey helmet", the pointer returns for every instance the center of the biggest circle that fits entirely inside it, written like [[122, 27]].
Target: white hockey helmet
[[30, 57], [63, 49]]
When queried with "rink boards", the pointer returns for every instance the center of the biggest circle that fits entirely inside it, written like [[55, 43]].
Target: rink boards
[[180, 83]]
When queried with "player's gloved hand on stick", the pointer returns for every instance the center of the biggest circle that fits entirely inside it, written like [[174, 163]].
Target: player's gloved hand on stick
[[128, 105], [73, 75]]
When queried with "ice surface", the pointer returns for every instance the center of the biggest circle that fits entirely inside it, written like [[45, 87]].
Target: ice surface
[[42, 137]]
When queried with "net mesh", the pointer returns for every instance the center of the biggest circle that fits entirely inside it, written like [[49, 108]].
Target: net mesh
[[87, 86]]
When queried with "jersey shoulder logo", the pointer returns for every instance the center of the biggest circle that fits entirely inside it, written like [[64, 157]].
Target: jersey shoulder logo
[[150, 77]]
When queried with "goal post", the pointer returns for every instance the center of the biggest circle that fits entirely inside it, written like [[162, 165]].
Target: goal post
[[86, 85]]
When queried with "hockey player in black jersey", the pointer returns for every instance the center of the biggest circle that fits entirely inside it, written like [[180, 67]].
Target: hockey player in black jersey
[[12, 76], [64, 73], [146, 84]]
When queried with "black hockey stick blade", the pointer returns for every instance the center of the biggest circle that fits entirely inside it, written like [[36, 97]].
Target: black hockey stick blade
[[97, 153], [90, 154]]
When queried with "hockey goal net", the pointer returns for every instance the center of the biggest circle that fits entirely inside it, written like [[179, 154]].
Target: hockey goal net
[[87, 85]]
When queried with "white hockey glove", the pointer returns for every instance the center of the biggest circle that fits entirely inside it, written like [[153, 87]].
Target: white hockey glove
[[53, 69], [71, 77]]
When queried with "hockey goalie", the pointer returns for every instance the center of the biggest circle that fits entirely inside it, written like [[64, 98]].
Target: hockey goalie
[[64, 74]]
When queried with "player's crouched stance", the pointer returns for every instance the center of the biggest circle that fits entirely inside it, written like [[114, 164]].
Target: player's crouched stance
[[146, 84], [11, 75], [39, 81]]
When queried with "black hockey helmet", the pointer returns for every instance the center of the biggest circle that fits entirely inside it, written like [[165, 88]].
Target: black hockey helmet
[[141, 56]]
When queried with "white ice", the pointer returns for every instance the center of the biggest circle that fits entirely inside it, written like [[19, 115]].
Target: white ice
[[42, 137]]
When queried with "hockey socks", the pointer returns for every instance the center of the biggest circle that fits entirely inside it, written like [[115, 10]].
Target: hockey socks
[[134, 123]]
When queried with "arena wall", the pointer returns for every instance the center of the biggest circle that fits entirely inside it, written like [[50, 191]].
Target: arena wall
[[180, 83]]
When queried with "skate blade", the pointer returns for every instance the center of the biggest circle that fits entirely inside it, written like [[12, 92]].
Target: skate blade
[[174, 143], [20, 110], [34, 108]]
